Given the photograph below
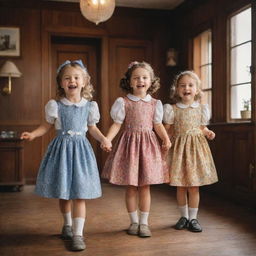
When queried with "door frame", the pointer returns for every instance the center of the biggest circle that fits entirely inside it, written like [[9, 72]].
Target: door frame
[[103, 78]]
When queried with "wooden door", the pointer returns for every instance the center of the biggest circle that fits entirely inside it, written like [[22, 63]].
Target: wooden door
[[122, 52], [87, 50]]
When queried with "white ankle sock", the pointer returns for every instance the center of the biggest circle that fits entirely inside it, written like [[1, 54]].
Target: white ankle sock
[[192, 213], [134, 217], [184, 211], [144, 218], [67, 219], [78, 226]]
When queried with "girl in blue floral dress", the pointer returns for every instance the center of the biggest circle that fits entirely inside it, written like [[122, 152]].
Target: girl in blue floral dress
[[69, 169]]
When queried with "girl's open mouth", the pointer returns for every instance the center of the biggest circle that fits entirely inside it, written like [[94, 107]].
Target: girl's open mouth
[[71, 87]]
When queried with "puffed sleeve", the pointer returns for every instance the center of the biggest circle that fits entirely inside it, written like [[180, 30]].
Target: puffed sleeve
[[94, 114], [118, 111], [206, 115], [168, 114], [51, 111], [158, 117]]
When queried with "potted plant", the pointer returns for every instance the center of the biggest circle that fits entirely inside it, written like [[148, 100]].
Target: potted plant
[[246, 112]]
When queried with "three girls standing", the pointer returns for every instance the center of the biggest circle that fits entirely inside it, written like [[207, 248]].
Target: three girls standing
[[69, 169]]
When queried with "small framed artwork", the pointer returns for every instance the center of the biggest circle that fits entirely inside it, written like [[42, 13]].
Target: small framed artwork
[[9, 41]]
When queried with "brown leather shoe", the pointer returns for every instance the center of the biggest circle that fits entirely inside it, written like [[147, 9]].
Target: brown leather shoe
[[144, 231], [133, 229]]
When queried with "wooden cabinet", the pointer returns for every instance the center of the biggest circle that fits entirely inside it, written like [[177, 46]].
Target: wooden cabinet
[[11, 163]]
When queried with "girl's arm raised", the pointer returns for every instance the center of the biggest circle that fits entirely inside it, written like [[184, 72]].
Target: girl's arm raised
[[40, 131], [161, 132]]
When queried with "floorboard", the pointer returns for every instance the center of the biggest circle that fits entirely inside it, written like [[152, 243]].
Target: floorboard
[[30, 225]]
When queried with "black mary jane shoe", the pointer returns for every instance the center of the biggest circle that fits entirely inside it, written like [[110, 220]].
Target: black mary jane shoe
[[194, 226], [181, 224]]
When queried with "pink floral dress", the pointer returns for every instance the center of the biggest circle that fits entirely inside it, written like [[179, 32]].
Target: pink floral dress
[[190, 158], [136, 158]]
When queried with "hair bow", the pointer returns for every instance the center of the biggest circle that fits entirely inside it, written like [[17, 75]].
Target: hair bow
[[132, 64], [67, 62]]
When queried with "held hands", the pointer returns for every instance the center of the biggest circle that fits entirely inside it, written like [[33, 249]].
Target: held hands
[[166, 145], [106, 144], [27, 136]]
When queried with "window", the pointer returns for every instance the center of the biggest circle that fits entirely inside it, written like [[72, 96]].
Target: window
[[240, 62], [202, 63]]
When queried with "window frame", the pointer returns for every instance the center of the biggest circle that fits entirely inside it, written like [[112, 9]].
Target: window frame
[[203, 29], [228, 78]]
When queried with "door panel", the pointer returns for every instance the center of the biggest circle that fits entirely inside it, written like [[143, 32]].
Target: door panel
[[86, 53], [122, 52]]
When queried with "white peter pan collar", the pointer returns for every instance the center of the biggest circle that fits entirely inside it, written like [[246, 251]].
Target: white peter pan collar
[[135, 98], [195, 104], [81, 103]]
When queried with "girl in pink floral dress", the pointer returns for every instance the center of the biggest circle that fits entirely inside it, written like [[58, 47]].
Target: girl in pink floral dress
[[191, 163], [136, 160]]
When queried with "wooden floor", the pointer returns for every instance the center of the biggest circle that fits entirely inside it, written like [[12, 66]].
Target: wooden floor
[[30, 225]]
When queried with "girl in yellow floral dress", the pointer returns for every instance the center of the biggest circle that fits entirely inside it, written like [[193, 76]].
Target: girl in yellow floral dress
[[191, 162]]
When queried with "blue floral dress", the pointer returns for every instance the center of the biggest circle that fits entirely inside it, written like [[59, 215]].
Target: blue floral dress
[[69, 169]]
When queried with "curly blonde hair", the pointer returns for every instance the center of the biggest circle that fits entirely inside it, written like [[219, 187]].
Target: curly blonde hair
[[173, 90], [87, 90], [125, 81]]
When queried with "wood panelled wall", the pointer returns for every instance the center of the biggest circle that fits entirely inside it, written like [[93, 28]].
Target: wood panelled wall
[[22, 110], [234, 148], [130, 34]]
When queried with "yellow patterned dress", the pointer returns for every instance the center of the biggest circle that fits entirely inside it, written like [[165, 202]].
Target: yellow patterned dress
[[190, 158]]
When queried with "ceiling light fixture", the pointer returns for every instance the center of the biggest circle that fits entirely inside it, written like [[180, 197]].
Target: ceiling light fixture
[[97, 11]]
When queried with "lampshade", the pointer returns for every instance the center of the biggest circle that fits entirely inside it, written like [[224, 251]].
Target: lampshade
[[97, 10], [9, 69]]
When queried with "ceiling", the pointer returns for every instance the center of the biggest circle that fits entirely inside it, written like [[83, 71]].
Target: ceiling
[[146, 4]]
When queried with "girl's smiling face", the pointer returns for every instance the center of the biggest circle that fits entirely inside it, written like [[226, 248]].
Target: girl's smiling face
[[72, 81], [187, 89], [140, 82]]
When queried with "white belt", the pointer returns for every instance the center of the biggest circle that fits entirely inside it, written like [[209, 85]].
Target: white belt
[[72, 133]]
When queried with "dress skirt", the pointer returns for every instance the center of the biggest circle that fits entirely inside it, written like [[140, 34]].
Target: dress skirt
[[69, 170], [191, 162]]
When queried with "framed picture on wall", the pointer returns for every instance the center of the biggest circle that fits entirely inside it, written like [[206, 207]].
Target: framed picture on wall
[[9, 41]]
